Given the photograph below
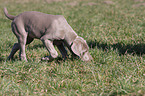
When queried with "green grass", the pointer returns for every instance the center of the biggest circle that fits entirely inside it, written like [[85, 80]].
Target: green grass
[[114, 32]]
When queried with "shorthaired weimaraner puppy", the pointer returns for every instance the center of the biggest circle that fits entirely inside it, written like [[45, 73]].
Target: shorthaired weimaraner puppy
[[50, 29]]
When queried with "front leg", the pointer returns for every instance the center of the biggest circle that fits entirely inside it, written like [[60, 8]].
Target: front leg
[[50, 48], [62, 50]]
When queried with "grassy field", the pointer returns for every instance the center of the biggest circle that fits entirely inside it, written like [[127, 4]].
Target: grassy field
[[114, 31]]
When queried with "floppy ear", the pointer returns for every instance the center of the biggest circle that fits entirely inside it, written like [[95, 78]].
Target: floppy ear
[[79, 46]]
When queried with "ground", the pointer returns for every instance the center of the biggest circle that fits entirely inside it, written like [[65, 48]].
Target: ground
[[114, 31]]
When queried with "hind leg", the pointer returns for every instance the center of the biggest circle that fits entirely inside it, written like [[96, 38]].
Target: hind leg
[[21, 34], [16, 47]]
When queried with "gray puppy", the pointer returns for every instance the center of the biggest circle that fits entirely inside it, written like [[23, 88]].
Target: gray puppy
[[51, 30]]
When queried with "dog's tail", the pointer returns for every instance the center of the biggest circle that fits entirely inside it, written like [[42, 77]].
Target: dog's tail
[[11, 17]]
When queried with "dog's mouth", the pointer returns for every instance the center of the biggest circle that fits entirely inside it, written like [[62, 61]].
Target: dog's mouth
[[86, 56]]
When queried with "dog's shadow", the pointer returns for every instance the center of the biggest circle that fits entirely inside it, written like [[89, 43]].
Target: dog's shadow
[[138, 49]]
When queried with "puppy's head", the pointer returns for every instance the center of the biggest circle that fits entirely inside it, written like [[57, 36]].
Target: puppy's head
[[81, 49]]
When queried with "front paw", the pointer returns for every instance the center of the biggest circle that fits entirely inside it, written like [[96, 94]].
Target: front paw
[[47, 58]]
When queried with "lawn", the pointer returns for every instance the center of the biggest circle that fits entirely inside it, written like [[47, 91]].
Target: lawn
[[114, 31]]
